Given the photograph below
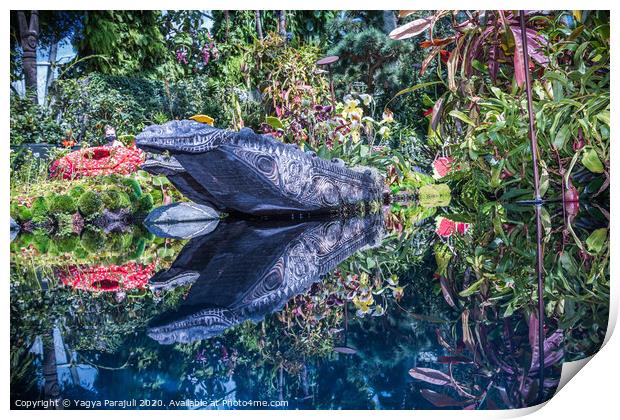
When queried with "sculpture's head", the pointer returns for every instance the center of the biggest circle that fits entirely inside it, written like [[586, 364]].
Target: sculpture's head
[[201, 325], [183, 136]]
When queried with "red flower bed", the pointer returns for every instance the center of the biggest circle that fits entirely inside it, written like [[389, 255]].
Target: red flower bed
[[108, 278], [94, 161]]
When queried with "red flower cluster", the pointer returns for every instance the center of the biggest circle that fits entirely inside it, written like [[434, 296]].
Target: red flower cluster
[[94, 161], [446, 227], [442, 166], [107, 278]]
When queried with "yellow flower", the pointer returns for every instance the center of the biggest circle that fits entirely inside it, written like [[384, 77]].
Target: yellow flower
[[388, 116], [367, 99], [384, 132], [352, 110]]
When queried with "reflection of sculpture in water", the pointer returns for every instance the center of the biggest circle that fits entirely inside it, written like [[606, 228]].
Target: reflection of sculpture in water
[[250, 173], [246, 270]]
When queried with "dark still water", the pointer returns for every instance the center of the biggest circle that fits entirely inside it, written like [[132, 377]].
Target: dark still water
[[401, 308]]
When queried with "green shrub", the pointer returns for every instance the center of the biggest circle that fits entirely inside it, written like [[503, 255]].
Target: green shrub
[[22, 241], [20, 213], [64, 224], [41, 241], [86, 103], [40, 213], [90, 203], [92, 241], [117, 242], [115, 200], [144, 205], [66, 243], [80, 252], [62, 203], [134, 189], [24, 213], [31, 123], [157, 197], [77, 191]]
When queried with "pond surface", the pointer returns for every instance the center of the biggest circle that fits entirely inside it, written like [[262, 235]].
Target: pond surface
[[400, 308]]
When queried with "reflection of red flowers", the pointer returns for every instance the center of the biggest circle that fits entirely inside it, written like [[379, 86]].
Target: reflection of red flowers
[[447, 227], [107, 278], [94, 161], [442, 166], [445, 55]]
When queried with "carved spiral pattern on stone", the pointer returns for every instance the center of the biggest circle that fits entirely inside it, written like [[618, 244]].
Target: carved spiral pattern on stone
[[269, 283]]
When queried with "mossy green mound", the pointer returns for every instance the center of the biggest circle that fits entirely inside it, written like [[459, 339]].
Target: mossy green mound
[[90, 203]]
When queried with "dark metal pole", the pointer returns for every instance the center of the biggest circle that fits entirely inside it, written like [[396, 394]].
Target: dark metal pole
[[331, 87], [530, 111], [538, 201]]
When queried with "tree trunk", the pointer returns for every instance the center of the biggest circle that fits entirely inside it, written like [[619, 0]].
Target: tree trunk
[[259, 25], [282, 24], [389, 21], [50, 69], [29, 34]]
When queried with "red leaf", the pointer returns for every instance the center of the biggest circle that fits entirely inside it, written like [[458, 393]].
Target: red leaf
[[437, 42], [443, 282], [534, 50], [432, 376], [411, 29], [436, 113], [518, 57]]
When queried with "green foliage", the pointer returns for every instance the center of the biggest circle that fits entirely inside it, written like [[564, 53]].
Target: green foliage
[[129, 104], [92, 241], [41, 240], [64, 224], [368, 56], [120, 42], [62, 203], [88, 104], [40, 212], [134, 189], [144, 204], [66, 243], [115, 200], [77, 191], [31, 123], [90, 203], [20, 213]]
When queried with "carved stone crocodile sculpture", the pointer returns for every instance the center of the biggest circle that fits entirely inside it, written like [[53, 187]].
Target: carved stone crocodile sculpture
[[253, 174], [245, 270]]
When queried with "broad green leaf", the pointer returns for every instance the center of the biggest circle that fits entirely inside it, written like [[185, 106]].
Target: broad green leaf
[[461, 116], [591, 161], [412, 89], [597, 240], [158, 181], [604, 117], [544, 179], [364, 150], [560, 138], [471, 289], [274, 122]]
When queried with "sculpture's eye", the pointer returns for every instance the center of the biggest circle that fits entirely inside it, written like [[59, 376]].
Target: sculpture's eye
[[265, 164]]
